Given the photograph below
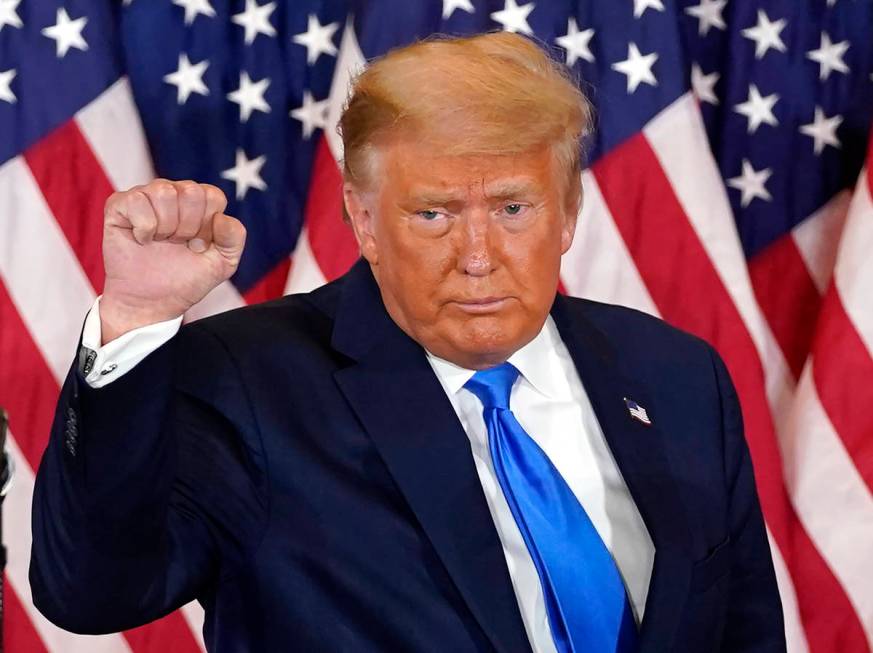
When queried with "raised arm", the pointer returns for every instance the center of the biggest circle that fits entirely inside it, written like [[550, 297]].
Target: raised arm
[[151, 483]]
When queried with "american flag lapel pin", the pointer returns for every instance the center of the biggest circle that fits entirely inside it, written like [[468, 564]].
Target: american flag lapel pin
[[637, 412]]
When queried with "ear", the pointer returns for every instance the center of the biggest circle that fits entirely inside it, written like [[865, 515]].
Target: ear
[[361, 210], [573, 206]]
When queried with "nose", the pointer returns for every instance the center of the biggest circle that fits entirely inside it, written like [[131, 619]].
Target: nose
[[475, 251]]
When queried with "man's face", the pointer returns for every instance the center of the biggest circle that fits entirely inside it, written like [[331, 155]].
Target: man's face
[[466, 250]]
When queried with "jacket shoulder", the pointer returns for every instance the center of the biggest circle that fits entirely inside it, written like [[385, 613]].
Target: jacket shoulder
[[635, 332]]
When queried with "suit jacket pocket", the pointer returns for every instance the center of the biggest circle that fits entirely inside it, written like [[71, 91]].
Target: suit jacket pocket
[[712, 568]]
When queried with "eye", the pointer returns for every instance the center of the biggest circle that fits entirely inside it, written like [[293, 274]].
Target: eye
[[429, 214], [514, 210]]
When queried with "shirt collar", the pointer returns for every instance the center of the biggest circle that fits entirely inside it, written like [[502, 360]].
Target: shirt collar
[[537, 362]]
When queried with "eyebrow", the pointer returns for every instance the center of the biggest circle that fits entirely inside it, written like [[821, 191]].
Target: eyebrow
[[433, 197], [512, 188], [499, 190]]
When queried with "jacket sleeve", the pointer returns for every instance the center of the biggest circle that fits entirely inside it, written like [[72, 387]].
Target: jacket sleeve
[[754, 614], [149, 488]]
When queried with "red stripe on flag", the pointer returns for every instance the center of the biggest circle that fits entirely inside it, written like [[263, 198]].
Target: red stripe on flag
[[29, 392], [168, 633], [788, 298], [19, 635], [332, 241], [843, 373], [271, 285], [27, 388], [75, 188], [665, 248]]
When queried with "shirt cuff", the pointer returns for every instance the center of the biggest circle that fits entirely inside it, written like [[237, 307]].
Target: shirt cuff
[[103, 364]]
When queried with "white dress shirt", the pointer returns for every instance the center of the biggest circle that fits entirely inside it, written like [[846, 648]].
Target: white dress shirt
[[550, 403]]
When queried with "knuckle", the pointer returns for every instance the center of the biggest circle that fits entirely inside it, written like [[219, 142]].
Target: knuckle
[[215, 196], [163, 190], [189, 189], [113, 201], [192, 198]]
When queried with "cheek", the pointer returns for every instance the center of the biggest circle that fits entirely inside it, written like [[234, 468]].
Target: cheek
[[418, 272]]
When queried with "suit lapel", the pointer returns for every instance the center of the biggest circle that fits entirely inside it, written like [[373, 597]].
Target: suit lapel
[[639, 452], [401, 404]]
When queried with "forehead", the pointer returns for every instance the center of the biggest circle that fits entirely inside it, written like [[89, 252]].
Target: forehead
[[411, 167]]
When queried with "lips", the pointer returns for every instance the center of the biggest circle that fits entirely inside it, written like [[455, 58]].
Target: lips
[[479, 305]]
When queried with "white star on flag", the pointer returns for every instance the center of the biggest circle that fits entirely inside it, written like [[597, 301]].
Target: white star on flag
[[250, 96], [640, 6], [829, 56], [246, 173], [751, 184], [6, 93], [188, 78], [575, 42], [758, 109], [637, 68], [256, 20], [8, 15], [514, 18], [67, 33], [449, 7], [194, 8], [704, 85], [709, 14], [823, 130], [313, 115], [317, 38], [766, 34]]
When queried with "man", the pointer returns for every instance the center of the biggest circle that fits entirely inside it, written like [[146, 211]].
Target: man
[[433, 453]]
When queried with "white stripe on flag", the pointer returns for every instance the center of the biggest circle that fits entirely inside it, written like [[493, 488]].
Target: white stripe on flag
[[831, 498], [111, 126], [305, 275], [43, 276], [349, 62], [598, 264], [194, 615], [818, 237], [853, 274], [223, 297], [794, 635]]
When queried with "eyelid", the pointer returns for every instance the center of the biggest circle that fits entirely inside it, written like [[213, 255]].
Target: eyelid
[[439, 212]]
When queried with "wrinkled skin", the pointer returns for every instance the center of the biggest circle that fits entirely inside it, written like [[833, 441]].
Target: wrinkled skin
[[466, 249]]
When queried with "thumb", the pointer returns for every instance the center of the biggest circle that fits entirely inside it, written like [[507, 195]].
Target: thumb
[[229, 237]]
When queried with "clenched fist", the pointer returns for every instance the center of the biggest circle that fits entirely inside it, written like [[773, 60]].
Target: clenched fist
[[165, 246]]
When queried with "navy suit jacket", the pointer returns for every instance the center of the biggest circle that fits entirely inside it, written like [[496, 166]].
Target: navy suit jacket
[[298, 469]]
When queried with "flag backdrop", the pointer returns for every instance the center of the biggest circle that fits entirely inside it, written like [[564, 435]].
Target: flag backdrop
[[727, 193]]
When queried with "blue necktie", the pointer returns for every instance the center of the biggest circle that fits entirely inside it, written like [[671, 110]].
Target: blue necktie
[[586, 602]]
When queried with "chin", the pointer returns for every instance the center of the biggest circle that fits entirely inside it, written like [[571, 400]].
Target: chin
[[488, 340]]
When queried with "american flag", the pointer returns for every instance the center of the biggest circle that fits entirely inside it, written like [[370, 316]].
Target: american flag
[[726, 192]]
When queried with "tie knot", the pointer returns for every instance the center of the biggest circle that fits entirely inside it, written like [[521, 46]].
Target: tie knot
[[493, 385]]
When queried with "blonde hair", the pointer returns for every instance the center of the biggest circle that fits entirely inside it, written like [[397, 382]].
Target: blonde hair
[[489, 94]]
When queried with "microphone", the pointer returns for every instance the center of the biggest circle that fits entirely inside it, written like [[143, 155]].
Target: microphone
[[6, 465], [6, 469]]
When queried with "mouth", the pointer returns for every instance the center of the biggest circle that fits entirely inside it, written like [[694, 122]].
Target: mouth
[[481, 305]]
